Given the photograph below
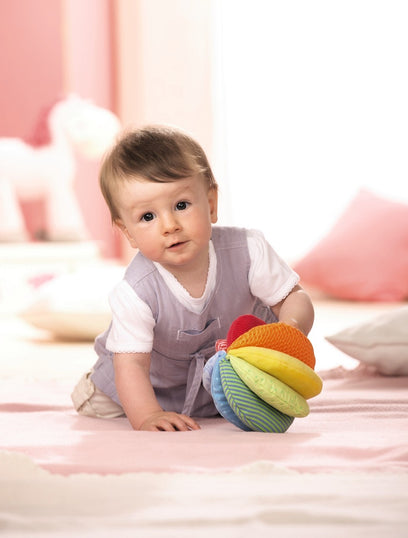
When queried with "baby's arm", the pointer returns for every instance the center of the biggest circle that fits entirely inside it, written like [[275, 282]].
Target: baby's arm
[[296, 310], [138, 399]]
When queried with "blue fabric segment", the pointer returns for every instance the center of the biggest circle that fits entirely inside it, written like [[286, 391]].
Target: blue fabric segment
[[208, 369], [218, 395], [247, 406]]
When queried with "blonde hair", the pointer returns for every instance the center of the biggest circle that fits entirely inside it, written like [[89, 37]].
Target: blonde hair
[[155, 153]]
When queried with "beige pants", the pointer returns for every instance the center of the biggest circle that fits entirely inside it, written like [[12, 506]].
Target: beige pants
[[88, 400]]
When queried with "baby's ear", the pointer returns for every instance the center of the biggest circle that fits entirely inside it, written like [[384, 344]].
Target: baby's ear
[[213, 203], [125, 232]]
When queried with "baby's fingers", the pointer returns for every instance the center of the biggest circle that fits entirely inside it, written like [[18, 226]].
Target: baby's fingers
[[176, 422], [191, 423], [164, 426], [169, 422]]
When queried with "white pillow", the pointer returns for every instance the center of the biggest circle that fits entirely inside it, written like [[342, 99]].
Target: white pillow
[[381, 342], [74, 306]]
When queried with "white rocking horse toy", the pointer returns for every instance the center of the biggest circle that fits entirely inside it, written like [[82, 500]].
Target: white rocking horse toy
[[47, 172]]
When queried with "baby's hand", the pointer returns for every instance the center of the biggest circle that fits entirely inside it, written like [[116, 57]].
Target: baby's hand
[[166, 421]]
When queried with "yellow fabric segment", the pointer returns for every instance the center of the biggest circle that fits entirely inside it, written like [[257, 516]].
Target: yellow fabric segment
[[270, 389], [293, 372]]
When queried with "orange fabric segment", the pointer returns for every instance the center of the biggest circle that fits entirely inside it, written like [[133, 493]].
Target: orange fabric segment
[[280, 337]]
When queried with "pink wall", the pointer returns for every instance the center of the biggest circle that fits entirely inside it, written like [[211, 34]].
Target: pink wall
[[164, 64], [30, 62], [87, 53], [50, 48]]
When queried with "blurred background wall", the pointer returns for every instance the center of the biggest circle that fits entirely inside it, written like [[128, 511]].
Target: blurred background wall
[[50, 48], [298, 104]]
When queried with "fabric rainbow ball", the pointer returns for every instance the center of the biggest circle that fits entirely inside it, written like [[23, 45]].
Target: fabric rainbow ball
[[263, 379]]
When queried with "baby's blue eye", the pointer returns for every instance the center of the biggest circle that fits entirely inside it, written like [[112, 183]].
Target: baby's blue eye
[[147, 217], [180, 206]]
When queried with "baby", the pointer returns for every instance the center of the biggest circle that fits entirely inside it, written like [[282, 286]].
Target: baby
[[187, 283]]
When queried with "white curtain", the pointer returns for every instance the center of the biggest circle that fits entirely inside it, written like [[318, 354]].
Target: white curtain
[[311, 104]]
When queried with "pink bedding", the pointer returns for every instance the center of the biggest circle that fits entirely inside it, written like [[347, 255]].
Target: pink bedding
[[358, 423]]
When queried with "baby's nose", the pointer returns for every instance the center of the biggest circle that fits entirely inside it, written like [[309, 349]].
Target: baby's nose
[[170, 224]]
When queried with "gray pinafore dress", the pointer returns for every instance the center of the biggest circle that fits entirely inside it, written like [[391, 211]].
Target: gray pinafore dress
[[184, 341]]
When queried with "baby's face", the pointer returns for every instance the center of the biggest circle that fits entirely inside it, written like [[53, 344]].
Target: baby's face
[[170, 223]]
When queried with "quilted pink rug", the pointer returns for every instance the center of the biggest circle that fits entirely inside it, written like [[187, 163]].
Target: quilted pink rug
[[358, 422]]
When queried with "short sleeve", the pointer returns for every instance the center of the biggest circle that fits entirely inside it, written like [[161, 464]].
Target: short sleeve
[[270, 278], [132, 322]]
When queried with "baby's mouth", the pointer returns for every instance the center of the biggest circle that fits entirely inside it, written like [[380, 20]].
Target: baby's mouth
[[176, 245]]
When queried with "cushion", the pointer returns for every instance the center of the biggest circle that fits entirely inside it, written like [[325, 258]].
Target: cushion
[[75, 305], [291, 371], [270, 389], [251, 410], [365, 255], [280, 337], [220, 400], [381, 342]]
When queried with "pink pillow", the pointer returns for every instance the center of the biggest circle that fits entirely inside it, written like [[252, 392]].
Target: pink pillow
[[365, 255]]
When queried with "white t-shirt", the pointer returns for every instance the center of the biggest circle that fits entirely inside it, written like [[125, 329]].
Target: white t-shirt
[[270, 279]]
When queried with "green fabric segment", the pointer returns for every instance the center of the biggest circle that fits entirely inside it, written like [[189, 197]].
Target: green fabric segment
[[251, 410], [270, 389]]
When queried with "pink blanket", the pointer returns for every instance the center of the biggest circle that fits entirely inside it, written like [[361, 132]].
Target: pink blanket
[[358, 423]]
